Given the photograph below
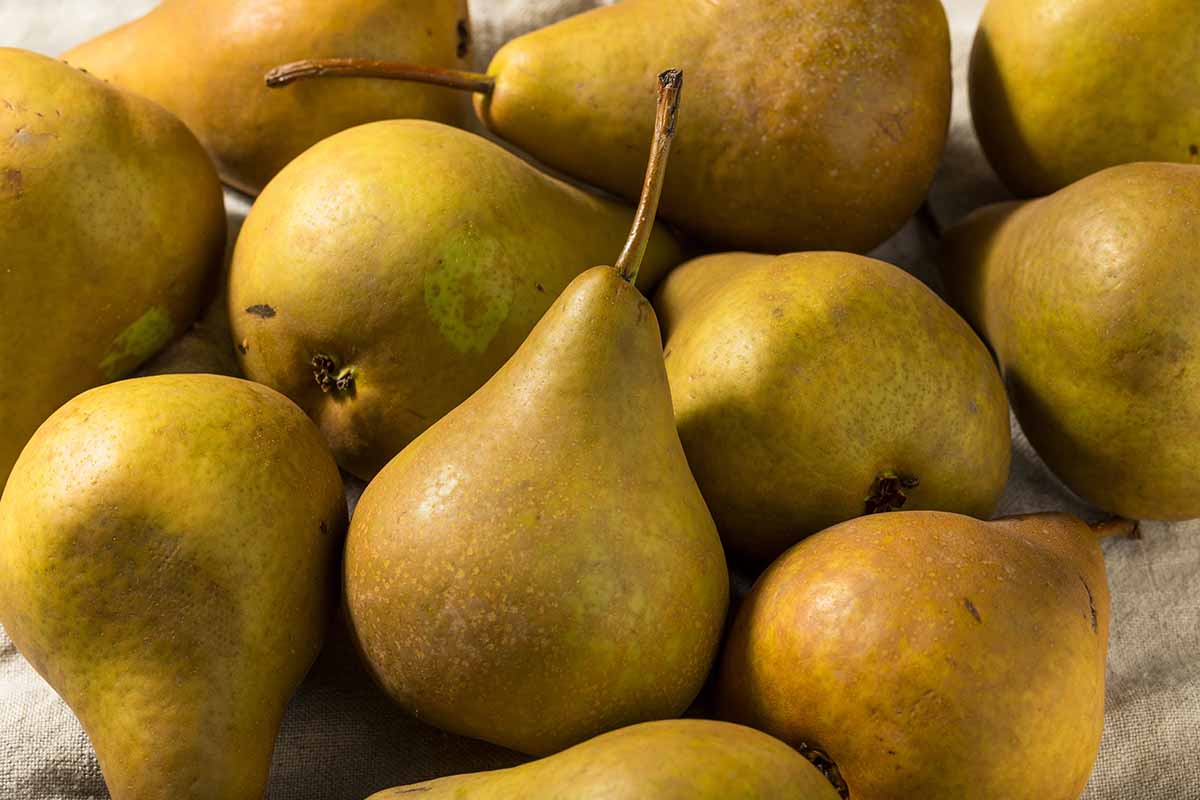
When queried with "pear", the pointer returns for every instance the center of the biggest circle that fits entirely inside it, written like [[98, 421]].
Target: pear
[[685, 759], [205, 59], [1087, 298], [112, 233], [539, 567], [815, 124], [387, 273], [924, 654], [168, 557], [1061, 90], [814, 387]]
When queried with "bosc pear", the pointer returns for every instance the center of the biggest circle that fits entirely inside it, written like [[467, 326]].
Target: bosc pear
[[812, 388], [204, 60], [112, 228], [1061, 89], [811, 124], [388, 272], [685, 759], [539, 567], [922, 654], [168, 551], [1088, 299]]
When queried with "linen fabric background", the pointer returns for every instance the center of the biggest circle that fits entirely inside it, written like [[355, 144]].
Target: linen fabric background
[[342, 739]]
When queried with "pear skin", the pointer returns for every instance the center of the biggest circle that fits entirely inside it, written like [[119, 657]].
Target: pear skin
[[816, 387], [408, 260], [539, 567], [168, 551], [931, 655], [813, 124], [1086, 297], [112, 233], [206, 60], [1061, 90], [686, 759]]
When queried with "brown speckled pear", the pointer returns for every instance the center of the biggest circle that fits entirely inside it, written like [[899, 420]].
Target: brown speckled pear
[[539, 567], [812, 124], [815, 387], [1061, 89], [686, 759], [387, 273], [1088, 298], [111, 233], [167, 563], [206, 61], [931, 655]]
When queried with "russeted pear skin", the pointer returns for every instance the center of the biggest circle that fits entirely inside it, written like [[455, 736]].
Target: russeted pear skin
[[539, 567], [408, 260], [206, 61], [1087, 298], [686, 759], [168, 551], [931, 655], [1061, 89], [112, 228], [815, 387], [810, 124]]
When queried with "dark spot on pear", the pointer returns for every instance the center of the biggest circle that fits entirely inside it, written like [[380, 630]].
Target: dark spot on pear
[[972, 609], [464, 38], [261, 310]]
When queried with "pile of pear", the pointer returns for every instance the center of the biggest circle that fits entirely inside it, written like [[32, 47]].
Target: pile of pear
[[558, 467]]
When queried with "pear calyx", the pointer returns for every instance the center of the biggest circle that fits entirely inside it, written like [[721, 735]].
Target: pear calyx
[[329, 377], [670, 86], [887, 492], [826, 766]]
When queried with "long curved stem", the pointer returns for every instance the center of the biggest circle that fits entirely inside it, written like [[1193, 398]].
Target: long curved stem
[[670, 85], [366, 68]]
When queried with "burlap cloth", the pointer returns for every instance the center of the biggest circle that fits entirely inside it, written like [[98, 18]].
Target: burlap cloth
[[342, 740]]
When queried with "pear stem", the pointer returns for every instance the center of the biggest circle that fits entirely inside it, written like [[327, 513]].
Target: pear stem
[[670, 85], [1116, 527], [366, 68]]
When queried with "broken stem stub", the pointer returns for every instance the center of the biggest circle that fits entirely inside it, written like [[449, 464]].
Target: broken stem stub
[[1116, 527], [367, 68], [670, 85]]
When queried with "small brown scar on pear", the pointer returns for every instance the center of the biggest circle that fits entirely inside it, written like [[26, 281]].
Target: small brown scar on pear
[[971, 608], [261, 310], [12, 183], [1091, 605], [464, 38]]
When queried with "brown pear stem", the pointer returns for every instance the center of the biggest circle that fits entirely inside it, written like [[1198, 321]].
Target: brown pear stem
[[1116, 527], [670, 85], [366, 68]]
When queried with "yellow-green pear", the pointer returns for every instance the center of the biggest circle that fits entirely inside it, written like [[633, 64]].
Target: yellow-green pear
[[815, 387], [168, 550], [1061, 89], [205, 60], [112, 228], [685, 759], [922, 654], [539, 567], [388, 272], [811, 124], [1087, 297]]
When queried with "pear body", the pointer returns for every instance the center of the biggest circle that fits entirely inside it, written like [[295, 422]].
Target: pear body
[[1061, 89], [539, 567], [415, 258], [167, 564], [207, 60], [100, 267], [931, 655], [684, 759], [808, 388], [1086, 297], [808, 124]]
